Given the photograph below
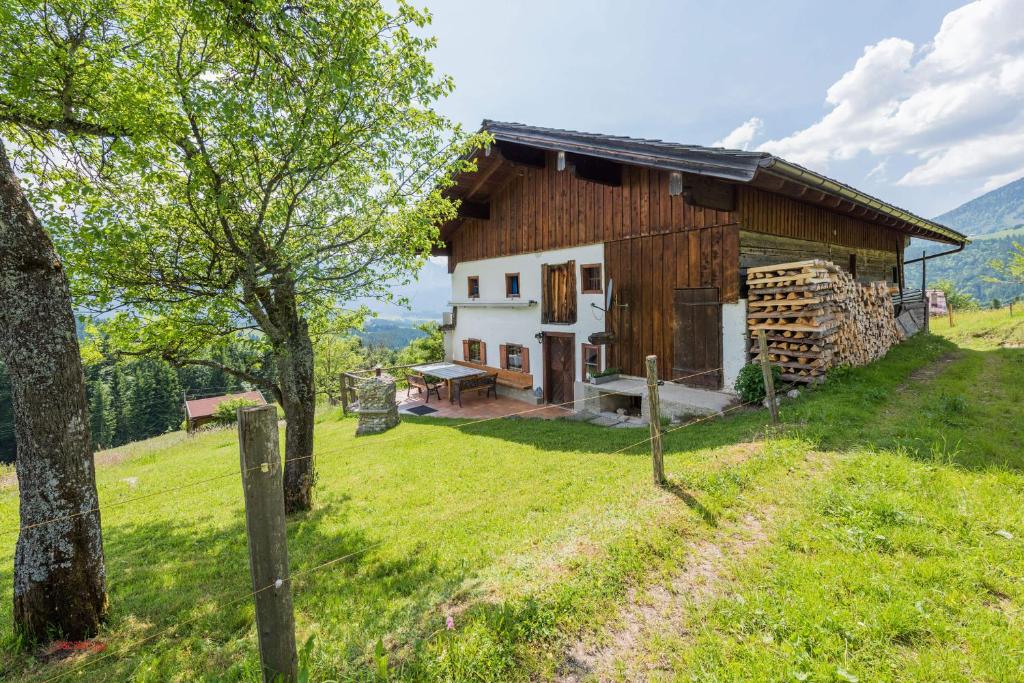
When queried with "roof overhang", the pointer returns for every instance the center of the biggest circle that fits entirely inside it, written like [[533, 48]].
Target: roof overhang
[[759, 169]]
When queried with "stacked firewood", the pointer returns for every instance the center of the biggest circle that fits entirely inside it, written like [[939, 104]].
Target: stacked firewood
[[816, 316]]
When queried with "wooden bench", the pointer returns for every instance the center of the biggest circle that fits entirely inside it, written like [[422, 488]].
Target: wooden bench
[[485, 383], [506, 378]]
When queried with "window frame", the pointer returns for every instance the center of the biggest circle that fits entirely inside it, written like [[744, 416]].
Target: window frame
[[584, 280], [508, 354], [469, 286], [479, 350], [519, 286], [583, 359]]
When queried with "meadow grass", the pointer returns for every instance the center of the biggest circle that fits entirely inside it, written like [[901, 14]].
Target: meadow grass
[[905, 563], [529, 534]]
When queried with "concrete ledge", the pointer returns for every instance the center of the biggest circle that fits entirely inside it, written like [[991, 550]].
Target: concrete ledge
[[676, 400]]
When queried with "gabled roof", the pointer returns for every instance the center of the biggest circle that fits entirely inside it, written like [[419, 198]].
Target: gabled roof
[[205, 407], [759, 169]]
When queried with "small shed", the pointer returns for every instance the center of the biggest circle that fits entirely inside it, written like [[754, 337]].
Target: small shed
[[200, 411]]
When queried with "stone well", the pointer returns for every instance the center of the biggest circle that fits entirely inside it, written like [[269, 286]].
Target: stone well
[[378, 411]]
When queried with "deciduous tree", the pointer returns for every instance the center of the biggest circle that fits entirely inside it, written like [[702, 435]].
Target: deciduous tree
[[61, 79], [1011, 268], [290, 161]]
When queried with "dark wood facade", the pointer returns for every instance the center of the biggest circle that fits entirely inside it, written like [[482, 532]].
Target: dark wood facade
[[656, 243], [539, 209]]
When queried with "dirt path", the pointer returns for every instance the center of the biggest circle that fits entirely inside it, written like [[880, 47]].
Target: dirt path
[[931, 370], [665, 608]]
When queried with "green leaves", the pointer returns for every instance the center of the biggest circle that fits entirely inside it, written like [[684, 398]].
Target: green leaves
[[209, 165]]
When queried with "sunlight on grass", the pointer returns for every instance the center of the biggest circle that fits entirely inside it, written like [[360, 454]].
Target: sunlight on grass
[[879, 561]]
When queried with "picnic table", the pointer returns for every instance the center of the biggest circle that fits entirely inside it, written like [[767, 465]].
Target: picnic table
[[447, 372]]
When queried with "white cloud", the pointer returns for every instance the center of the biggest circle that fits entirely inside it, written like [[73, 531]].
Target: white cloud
[[742, 135], [954, 106], [880, 172]]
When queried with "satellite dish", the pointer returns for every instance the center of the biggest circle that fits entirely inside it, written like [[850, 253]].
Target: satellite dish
[[608, 296]]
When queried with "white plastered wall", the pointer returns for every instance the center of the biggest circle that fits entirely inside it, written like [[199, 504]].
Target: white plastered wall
[[734, 341], [496, 325]]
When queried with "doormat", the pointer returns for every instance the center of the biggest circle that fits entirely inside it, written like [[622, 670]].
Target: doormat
[[422, 410]]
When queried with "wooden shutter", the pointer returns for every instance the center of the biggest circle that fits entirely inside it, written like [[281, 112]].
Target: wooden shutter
[[465, 349], [526, 359], [545, 299], [503, 356], [570, 292], [483, 353], [559, 293]]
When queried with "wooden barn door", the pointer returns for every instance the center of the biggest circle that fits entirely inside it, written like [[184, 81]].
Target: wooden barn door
[[559, 366], [697, 337]]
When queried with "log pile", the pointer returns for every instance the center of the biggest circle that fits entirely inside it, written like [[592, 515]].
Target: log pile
[[816, 316]]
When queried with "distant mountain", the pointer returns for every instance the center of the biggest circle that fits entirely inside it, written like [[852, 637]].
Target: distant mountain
[[993, 211], [995, 220], [394, 334]]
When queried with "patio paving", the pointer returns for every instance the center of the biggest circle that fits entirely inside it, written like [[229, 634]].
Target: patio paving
[[477, 407]]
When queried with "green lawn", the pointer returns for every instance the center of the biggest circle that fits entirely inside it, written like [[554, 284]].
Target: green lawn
[[879, 495]]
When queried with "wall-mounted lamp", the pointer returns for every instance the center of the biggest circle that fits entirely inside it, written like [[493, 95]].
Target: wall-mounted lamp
[[539, 336]]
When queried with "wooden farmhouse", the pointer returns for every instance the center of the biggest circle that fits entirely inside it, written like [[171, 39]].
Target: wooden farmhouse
[[203, 411], [574, 252]]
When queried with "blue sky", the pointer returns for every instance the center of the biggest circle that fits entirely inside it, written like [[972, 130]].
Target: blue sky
[[918, 102]]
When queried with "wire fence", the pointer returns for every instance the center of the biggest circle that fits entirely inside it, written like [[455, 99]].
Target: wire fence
[[233, 472], [226, 599]]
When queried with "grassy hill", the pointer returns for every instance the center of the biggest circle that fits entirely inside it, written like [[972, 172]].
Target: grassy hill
[[854, 541]]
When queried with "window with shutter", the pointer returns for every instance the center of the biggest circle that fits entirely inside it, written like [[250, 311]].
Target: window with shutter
[[513, 357]]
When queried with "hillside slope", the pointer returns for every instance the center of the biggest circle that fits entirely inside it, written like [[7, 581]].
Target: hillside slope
[[969, 269], [995, 220], [1001, 208], [874, 535]]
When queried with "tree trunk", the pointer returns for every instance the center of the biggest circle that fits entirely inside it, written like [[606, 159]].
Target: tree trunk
[[298, 398], [59, 579]]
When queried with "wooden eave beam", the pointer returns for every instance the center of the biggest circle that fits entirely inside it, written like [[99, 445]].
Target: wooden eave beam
[[482, 178]]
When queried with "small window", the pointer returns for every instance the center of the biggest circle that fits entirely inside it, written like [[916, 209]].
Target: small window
[[512, 285], [514, 357], [853, 266], [590, 278], [474, 287], [475, 347], [591, 360]]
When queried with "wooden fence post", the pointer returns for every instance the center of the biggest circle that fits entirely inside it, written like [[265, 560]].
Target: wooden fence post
[[344, 394], [654, 403], [949, 310], [268, 542], [766, 372]]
